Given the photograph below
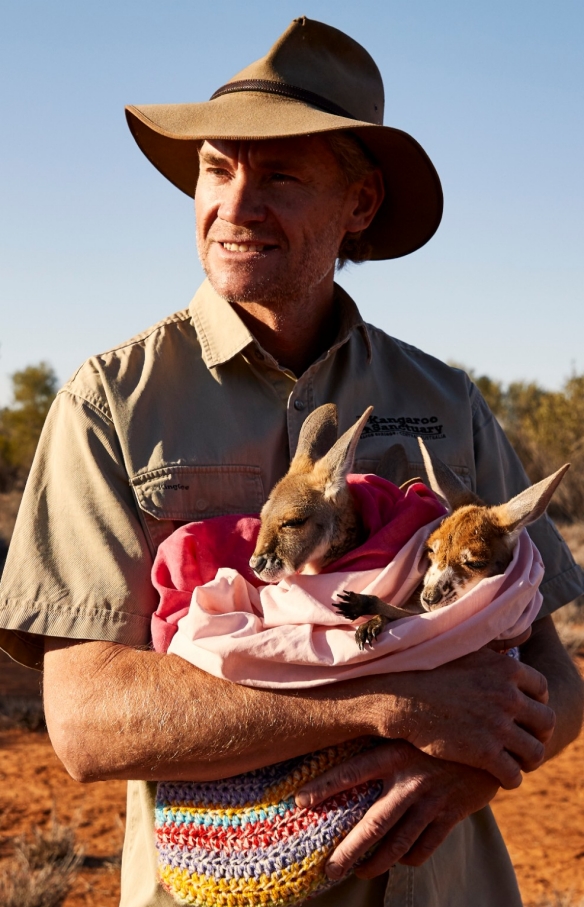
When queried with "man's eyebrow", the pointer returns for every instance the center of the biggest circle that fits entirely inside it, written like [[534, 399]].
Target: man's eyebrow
[[276, 164], [218, 160]]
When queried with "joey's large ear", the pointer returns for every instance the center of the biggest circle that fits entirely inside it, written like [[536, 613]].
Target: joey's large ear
[[318, 433], [445, 483], [338, 463], [528, 506], [394, 465]]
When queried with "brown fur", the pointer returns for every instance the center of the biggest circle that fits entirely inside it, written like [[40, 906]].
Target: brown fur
[[309, 519], [473, 542]]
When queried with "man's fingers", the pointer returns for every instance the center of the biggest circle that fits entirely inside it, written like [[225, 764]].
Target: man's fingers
[[375, 824], [532, 683], [430, 839], [537, 718], [398, 841], [507, 771], [372, 765], [528, 752]]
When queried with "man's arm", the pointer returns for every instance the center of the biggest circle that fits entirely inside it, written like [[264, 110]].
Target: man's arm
[[545, 652], [117, 712], [424, 798]]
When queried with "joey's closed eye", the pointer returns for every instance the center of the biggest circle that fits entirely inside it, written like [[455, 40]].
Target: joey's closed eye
[[476, 565], [293, 524]]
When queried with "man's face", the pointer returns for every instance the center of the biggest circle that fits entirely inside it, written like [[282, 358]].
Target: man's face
[[270, 217]]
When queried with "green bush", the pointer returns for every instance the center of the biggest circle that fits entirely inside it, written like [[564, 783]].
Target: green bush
[[33, 391], [546, 429]]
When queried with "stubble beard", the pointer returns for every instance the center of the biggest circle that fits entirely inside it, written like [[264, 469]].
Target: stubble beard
[[293, 285]]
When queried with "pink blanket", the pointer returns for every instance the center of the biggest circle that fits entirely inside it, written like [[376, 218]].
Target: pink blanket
[[217, 615]]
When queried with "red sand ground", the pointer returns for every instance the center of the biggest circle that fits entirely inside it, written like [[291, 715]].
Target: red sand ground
[[543, 822]]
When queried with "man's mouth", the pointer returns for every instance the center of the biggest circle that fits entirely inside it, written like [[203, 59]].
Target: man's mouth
[[245, 247]]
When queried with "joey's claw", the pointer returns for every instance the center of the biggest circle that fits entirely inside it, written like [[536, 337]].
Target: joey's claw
[[368, 632]]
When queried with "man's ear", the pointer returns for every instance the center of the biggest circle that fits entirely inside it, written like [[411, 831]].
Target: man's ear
[[369, 194], [334, 468], [317, 436], [528, 506]]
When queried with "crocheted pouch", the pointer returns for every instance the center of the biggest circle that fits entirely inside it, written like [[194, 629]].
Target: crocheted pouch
[[243, 842]]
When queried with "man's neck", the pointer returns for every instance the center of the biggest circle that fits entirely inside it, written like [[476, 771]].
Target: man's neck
[[294, 334]]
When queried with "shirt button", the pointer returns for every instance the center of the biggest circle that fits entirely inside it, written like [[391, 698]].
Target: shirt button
[[201, 504], [299, 405]]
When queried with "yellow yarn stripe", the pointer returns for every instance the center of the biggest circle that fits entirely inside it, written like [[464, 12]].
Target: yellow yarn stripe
[[288, 886]]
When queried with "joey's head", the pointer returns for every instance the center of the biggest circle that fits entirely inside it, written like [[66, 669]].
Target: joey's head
[[474, 541], [309, 519], [467, 546]]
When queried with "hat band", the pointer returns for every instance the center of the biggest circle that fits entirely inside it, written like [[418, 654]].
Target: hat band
[[285, 91]]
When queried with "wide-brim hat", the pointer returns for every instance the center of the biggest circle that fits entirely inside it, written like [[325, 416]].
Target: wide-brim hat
[[315, 79]]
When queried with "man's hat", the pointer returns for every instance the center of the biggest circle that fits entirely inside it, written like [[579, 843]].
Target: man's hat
[[315, 79]]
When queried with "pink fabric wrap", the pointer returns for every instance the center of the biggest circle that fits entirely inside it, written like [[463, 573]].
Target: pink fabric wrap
[[217, 615]]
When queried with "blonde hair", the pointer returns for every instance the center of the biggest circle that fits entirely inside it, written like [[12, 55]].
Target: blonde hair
[[355, 162]]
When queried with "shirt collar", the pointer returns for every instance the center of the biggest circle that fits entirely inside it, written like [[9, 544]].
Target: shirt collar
[[223, 334]]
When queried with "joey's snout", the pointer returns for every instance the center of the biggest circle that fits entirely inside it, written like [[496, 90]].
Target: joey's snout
[[438, 590], [258, 564], [267, 567]]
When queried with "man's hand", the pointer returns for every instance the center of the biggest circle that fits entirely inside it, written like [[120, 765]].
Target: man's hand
[[485, 710], [422, 800]]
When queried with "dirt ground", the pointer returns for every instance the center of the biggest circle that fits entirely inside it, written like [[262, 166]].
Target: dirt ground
[[542, 822]]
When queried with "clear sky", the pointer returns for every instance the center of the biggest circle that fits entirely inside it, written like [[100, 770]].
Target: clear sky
[[95, 245]]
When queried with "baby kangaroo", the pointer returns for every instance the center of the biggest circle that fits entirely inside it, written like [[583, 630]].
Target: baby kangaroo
[[309, 519], [474, 541]]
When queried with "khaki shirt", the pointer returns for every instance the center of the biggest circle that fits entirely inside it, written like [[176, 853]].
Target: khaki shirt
[[193, 419]]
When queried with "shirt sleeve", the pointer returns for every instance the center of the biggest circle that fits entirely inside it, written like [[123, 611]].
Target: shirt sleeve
[[499, 477], [78, 565]]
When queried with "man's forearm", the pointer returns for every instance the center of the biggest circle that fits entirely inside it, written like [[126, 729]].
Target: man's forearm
[[118, 712], [546, 654]]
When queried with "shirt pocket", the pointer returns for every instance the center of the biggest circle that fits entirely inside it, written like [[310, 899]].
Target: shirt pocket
[[174, 494]]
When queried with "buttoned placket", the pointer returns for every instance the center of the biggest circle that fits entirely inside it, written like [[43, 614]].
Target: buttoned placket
[[300, 398]]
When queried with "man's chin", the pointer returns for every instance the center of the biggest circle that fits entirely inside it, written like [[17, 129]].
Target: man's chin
[[235, 286]]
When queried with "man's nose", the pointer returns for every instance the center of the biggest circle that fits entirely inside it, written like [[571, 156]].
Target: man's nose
[[241, 201]]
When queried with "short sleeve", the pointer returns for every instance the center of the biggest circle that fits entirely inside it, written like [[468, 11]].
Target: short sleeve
[[79, 564], [500, 476]]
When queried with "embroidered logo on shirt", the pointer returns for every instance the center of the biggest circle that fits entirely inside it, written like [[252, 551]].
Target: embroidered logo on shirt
[[427, 427], [176, 487]]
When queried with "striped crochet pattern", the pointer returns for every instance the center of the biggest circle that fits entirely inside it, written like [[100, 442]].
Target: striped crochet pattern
[[243, 842]]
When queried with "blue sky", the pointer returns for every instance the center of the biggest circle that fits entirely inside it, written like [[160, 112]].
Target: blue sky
[[95, 245]]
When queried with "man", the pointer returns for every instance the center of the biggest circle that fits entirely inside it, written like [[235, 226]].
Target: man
[[291, 168]]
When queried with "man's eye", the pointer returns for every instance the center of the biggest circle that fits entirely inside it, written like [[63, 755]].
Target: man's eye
[[293, 524], [282, 178], [476, 565]]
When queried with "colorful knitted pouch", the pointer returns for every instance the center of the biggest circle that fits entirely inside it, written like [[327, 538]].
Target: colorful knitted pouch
[[243, 842]]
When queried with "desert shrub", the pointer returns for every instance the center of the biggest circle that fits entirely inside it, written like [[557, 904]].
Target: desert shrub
[[43, 868], [546, 429], [23, 712], [33, 391]]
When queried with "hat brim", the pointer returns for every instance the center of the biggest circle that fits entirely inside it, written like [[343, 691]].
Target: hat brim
[[411, 211]]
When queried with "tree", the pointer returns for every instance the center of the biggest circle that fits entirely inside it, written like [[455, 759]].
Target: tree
[[33, 391]]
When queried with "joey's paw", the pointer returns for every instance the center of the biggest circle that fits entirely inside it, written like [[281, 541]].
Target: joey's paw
[[352, 605], [368, 632]]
